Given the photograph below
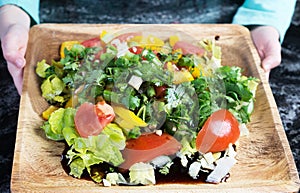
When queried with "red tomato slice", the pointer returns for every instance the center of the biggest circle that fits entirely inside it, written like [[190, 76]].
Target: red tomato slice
[[219, 130], [188, 48], [147, 147], [94, 42], [104, 112], [136, 49], [90, 119]]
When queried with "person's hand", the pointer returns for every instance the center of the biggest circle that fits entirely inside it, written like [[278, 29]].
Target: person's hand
[[266, 41], [14, 28]]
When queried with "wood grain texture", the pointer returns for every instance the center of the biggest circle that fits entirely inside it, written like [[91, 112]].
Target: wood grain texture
[[265, 162]]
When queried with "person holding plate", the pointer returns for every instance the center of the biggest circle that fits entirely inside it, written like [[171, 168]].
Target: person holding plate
[[267, 20]]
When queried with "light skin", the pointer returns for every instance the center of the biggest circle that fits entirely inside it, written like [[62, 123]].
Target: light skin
[[266, 41], [15, 24]]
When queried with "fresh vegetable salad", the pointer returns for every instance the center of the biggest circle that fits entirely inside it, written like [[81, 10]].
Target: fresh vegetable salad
[[132, 107]]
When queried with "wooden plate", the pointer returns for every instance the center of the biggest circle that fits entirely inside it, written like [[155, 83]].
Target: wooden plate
[[265, 162]]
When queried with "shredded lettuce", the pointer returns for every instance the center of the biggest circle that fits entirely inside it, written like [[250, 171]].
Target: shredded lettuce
[[142, 173], [51, 88], [93, 150], [41, 68]]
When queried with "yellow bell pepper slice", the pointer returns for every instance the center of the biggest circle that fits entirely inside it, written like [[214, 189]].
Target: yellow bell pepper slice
[[149, 42], [124, 124], [68, 45], [199, 70], [179, 76], [173, 40], [178, 53], [196, 72], [72, 102], [103, 33], [154, 43], [137, 39], [128, 117], [46, 114]]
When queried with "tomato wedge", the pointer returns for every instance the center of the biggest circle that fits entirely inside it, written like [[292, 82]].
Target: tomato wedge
[[104, 112], [90, 119], [147, 147], [136, 49], [94, 42], [188, 48], [219, 130]]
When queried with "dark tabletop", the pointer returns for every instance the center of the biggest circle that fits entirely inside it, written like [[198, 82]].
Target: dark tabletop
[[284, 80]]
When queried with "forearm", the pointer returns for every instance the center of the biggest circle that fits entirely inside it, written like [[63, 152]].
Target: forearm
[[11, 15], [275, 13], [31, 7]]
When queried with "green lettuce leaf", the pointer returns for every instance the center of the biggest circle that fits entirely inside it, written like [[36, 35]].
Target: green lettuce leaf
[[116, 135], [51, 88], [59, 121], [77, 167], [49, 133], [41, 69], [56, 120], [70, 134]]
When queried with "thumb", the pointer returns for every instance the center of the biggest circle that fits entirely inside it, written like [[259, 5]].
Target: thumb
[[16, 58], [20, 61], [272, 55], [14, 46], [13, 54], [271, 61]]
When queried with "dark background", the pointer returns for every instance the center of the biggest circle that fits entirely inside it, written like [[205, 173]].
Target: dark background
[[284, 80]]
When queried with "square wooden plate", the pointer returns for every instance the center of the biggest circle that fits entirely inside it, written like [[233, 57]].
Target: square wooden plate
[[265, 162]]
